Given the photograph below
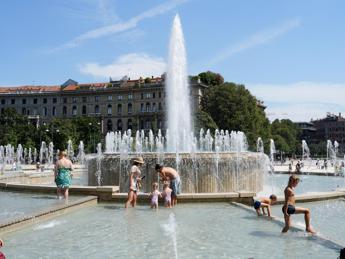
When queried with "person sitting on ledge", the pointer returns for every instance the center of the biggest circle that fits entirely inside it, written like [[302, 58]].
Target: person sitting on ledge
[[265, 203], [63, 175], [289, 206], [170, 174]]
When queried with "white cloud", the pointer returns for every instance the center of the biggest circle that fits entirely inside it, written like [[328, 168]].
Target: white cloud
[[121, 26], [258, 38], [300, 101], [133, 65]]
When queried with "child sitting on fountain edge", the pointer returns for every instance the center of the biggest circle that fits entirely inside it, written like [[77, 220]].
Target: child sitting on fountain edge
[[265, 203]]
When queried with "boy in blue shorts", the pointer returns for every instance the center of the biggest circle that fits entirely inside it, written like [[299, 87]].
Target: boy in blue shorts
[[265, 203]]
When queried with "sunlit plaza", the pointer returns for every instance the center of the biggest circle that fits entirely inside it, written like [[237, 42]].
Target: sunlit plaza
[[149, 157]]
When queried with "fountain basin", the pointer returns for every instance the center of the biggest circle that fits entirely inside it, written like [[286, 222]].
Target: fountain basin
[[200, 172]]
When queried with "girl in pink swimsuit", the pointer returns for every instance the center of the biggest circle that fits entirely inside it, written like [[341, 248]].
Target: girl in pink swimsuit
[[167, 195], [154, 196]]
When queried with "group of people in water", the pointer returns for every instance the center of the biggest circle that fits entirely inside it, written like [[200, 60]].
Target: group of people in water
[[170, 179], [288, 208], [167, 175]]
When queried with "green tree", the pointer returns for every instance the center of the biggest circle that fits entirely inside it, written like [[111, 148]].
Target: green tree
[[211, 79], [286, 134], [203, 120], [232, 106]]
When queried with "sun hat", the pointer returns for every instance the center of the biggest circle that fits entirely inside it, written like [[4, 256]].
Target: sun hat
[[139, 160]]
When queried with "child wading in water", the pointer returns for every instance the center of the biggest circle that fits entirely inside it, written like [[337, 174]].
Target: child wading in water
[[154, 196], [167, 195], [289, 206], [265, 203]]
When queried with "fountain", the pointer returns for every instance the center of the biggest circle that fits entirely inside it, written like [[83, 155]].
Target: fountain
[[305, 151], [81, 153], [70, 151], [259, 145], [216, 162]]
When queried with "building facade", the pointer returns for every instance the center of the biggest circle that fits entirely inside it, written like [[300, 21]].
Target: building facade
[[119, 105], [331, 128]]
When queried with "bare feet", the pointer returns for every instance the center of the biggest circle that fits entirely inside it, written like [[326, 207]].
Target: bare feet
[[311, 231]]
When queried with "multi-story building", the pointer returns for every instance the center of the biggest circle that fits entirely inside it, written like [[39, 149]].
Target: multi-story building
[[119, 105], [331, 128]]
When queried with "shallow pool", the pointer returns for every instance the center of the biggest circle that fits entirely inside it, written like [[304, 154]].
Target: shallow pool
[[15, 204], [327, 218], [187, 231], [276, 184]]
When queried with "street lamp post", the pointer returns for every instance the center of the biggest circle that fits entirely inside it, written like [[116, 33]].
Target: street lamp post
[[90, 128]]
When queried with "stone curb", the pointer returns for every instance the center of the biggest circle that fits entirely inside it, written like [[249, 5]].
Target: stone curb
[[15, 224], [317, 237]]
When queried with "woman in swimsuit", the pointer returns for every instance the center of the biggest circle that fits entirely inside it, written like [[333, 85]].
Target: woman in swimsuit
[[134, 182], [63, 175], [289, 206]]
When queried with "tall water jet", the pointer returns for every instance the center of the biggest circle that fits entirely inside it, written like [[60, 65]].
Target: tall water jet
[[259, 145], [179, 116], [305, 151], [272, 150]]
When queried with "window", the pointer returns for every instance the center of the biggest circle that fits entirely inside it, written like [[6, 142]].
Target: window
[[45, 111], [54, 111], [35, 101], [74, 99], [84, 110], [23, 111], [142, 96], [148, 95], [64, 100], [28, 112], [119, 97], [64, 110], [74, 110], [13, 101], [54, 100], [141, 124], [110, 97], [109, 125], [3, 101], [23, 101], [45, 100], [109, 110], [96, 109], [148, 106], [129, 124], [159, 94], [119, 108], [159, 124], [130, 96], [119, 124], [153, 95], [160, 107], [147, 124], [153, 107], [96, 98], [142, 107], [84, 99], [35, 111], [129, 108]]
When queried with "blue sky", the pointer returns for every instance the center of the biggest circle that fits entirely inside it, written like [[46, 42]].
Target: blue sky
[[290, 54]]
